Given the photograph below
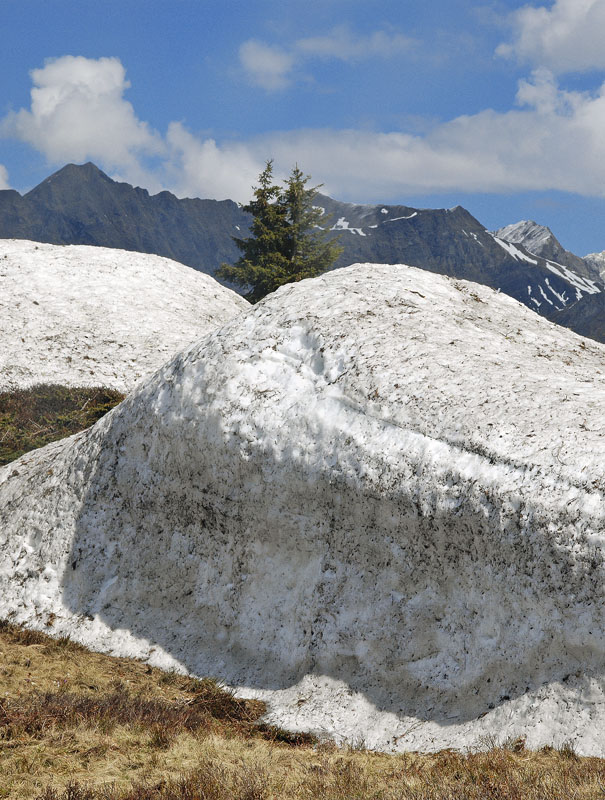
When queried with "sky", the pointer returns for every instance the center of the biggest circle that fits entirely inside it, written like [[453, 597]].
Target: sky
[[497, 106]]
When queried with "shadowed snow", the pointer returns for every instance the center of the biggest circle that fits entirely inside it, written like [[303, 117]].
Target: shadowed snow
[[375, 500]]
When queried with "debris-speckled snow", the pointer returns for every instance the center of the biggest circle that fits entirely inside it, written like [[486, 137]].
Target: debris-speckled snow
[[375, 501], [93, 316]]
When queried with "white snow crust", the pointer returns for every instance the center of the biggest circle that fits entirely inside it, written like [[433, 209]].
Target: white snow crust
[[375, 501], [94, 316]]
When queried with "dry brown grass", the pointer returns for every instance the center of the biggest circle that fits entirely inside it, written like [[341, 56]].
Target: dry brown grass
[[31, 418], [76, 725]]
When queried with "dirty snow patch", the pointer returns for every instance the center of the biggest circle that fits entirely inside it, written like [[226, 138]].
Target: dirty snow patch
[[93, 316], [316, 504]]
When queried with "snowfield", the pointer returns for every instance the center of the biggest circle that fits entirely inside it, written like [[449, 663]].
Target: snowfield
[[375, 501], [93, 316]]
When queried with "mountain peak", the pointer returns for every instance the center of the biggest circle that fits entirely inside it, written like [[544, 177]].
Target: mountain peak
[[540, 240], [86, 171], [70, 180], [81, 169], [88, 168], [597, 260], [529, 234]]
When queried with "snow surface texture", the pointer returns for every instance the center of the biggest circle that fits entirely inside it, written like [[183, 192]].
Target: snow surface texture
[[375, 501], [93, 316]]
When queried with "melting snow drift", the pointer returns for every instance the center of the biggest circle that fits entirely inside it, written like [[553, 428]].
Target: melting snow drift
[[375, 500], [93, 316]]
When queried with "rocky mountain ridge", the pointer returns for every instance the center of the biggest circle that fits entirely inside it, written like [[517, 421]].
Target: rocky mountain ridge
[[597, 260], [82, 205], [540, 241]]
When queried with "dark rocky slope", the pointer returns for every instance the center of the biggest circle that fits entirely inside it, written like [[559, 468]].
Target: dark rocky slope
[[82, 205], [540, 240]]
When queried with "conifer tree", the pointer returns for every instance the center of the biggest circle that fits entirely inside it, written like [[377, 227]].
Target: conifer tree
[[263, 264], [308, 251], [286, 244]]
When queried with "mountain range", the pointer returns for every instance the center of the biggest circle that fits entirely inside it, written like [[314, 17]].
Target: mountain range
[[80, 204], [586, 317]]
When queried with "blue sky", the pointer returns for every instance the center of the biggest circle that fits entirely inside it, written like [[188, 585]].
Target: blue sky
[[497, 106]]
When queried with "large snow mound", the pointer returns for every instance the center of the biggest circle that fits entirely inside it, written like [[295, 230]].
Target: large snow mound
[[375, 501], [93, 316]]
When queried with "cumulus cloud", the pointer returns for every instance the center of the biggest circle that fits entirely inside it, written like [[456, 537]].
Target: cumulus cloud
[[78, 112], [272, 67], [4, 184], [551, 139], [201, 168], [566, 37]]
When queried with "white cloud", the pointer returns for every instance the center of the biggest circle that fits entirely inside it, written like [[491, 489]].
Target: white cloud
[[200, 168], [566, 37], [4, 184], [266, 66], [272, 67], [552, 139], [343, 45], [78, 112]]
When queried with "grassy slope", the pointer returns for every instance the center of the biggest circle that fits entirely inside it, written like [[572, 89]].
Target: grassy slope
[[76, 725], [31, 418]]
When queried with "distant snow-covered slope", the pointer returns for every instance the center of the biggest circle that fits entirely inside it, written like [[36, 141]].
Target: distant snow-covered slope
[[540, 240], [582, 313], [376, 500], [452, 242], [597, 260], [87, 316]]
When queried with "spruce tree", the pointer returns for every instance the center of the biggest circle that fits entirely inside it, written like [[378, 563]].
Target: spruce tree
[[286, 243], [263, 260], [308, 251]]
